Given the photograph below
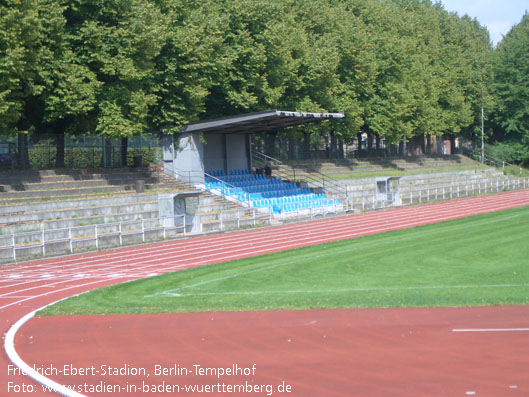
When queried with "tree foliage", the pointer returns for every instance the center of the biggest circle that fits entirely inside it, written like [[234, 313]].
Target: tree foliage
[[397, 68], [511, 66]]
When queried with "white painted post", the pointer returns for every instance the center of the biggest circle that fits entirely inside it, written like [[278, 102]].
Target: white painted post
[[70, 239], [254, 219], [96, 237], [143, 230], [411, 196], [43, 244], [163, 227], [14, 247]]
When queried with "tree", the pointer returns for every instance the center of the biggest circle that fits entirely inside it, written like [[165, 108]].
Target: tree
[[511, 67], [118, 43]]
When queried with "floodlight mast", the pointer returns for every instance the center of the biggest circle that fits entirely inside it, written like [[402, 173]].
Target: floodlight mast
[[482, 135]]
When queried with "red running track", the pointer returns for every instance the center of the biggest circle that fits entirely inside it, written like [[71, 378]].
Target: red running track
[[26, 287]]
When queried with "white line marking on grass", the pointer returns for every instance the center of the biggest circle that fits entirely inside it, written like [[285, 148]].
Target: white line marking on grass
[[171, 292], [491, 330], [327, 291], [414, 233]]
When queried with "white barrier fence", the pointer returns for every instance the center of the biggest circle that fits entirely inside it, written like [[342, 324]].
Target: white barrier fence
[[69, 240]]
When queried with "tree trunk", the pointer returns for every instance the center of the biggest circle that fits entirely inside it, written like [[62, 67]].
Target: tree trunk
[[60, 130], [403, 148], [291, 148], [359, 142], [22, 152], [59, 155], [271, 144], [306, 145], [369, 142], [452, 144], [124, 148], [334, 145], [106, 157]]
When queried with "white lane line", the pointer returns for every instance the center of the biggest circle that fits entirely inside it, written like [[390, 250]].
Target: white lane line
[[56, 291], [323, 291], [491, 330], [461, 209], [192, 252], [235, 250], [346, 225], [12, 354]]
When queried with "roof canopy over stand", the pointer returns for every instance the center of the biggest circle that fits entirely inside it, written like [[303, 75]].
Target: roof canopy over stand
[[227, 141], [252, 123]]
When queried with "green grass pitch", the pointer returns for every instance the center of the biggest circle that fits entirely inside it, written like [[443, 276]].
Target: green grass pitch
[[480, 260]]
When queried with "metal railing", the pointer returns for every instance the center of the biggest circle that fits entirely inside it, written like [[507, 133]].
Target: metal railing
[[189, 177], [228, 186], [311, 176], [491, 160], [72, 237], [423, 195]]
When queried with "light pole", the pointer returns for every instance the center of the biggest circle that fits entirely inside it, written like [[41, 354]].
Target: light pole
[[482, 135]]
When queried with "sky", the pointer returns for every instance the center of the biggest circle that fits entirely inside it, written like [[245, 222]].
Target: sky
[[499, 16]]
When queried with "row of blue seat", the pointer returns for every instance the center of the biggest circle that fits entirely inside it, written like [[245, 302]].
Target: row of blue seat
[[264, 192], [280, 206], [242, 179], [220, 173]]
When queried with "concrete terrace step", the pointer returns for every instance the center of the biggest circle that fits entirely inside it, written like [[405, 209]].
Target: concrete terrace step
[[349, 167], [81, 221], [49, 185], [70, 184], [77, 191], [367, 186], [103, 201], [52, 214], [10, 202]]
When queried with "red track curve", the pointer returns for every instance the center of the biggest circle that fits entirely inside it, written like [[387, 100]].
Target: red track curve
[[26, 287]]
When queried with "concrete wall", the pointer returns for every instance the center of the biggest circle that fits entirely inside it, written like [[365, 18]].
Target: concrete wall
[[226, 152], [189, 159], [237, 152], [214, 152]]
